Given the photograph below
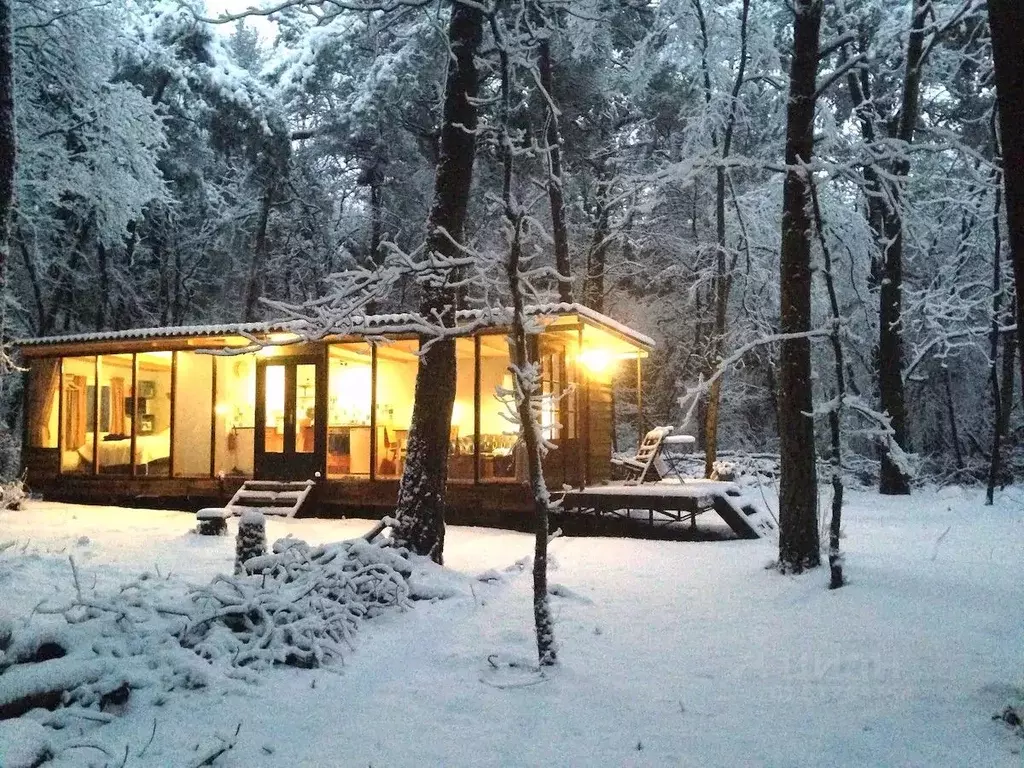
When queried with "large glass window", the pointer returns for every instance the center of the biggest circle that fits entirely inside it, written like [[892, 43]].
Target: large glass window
[[397, 365], [42, 402], [235, 427], [115, 414], [499, 436], [349, 383], [462, 439], [153, 413], [78, 412], [193, 409]]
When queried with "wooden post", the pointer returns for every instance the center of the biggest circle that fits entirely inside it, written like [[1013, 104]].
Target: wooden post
[[133, 442], [373, 414], [96, 415], [60, 414], [641, 427], [476, 409], [174, 404], [583, 409], [213, 416]]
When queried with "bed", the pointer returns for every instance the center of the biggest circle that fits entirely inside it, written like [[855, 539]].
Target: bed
[[149, 449]]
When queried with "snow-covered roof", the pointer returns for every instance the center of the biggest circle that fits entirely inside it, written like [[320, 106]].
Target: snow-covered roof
[[404, 322]]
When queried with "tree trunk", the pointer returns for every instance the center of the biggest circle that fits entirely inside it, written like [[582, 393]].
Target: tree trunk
[[593, 288], [556, 197], [8, 156], [835, 415], [421, 493], [723, 276], [890, 295], [798, 497], [1006, 18], [993, 351], [259, 257]]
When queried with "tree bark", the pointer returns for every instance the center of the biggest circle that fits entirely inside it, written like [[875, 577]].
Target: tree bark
[[421, 493], [556, 196], [835, 415], [890, 295], [799, 546], [259, 257], [8, 157], [993, 351], [723, 275], [1006, 18]]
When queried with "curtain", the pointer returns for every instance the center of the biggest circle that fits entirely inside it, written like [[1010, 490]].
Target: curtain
[[75, 410], [44, 376], [117, 425]]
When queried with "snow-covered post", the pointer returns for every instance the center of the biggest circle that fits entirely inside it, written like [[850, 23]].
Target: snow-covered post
[[251, 540]]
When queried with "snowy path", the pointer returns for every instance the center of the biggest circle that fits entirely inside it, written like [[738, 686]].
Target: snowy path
[[672, 653]]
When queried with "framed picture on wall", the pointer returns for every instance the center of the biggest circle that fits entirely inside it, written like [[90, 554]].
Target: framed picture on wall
[[146, 423], [147, 389]]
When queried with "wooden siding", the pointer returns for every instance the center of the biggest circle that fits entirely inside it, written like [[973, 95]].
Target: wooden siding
[[599, 432]]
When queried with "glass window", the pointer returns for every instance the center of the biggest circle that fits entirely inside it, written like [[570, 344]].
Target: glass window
[[349, 377], [235, 426], [78, 415], [193, 409], [273, 411], [463, 430], [397, 365], [152, 414], [305, 407], [42, 403], [116, 414], [499, 435]]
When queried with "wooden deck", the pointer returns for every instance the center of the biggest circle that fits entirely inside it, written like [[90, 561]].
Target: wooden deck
[[668, 503]]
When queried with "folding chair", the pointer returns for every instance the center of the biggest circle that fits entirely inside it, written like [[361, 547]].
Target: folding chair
[[647, 458]]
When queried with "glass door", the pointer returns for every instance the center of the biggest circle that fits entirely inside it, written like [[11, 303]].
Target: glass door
[[290, 439]]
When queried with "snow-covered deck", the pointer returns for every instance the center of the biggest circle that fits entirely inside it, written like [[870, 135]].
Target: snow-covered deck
[[673, 501]]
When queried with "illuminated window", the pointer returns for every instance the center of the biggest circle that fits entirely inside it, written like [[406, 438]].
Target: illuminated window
[[78, 415], [193, 406], [235, 425], [42, 401], [349, 376]]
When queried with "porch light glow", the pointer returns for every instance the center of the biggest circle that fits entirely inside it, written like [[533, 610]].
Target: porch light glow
[[596, 360]]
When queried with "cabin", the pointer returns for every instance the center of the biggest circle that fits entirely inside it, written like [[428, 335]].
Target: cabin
[[180, 417]]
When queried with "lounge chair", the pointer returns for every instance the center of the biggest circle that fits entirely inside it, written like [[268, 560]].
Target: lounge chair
[[647, 464]]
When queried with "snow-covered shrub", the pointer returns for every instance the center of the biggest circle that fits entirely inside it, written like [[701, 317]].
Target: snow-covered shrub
[[251, 540], [12, 494]]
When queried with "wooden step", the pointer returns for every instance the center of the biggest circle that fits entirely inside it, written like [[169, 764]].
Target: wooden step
[[272, 497]]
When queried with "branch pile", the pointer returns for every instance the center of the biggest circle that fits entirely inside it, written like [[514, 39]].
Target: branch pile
[[299, 606]]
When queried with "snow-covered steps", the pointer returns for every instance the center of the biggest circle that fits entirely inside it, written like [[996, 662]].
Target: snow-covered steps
[[271, 497], [746, 517]]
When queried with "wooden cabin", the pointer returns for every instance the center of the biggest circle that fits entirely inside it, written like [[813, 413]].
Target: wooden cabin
[[180, 417]]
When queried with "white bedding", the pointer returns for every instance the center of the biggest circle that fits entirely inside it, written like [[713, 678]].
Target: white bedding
[[117, 452]]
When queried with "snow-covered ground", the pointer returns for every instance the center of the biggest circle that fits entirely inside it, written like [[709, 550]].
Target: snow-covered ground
[[671, 653]]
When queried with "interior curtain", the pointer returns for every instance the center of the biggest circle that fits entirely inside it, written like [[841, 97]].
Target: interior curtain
[[44, 376], [117, 425], [75, 408]]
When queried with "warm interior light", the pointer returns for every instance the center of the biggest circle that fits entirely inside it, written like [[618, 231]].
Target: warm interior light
[[221, 409], [596, 360]]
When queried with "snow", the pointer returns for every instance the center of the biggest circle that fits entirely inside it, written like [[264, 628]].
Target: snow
[[671, 653]]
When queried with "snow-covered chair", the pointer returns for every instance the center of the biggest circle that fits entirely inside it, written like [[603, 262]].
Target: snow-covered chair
[[647, 464]]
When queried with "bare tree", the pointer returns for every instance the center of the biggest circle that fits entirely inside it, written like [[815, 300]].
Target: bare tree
[[799, 547], [421, 493]]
